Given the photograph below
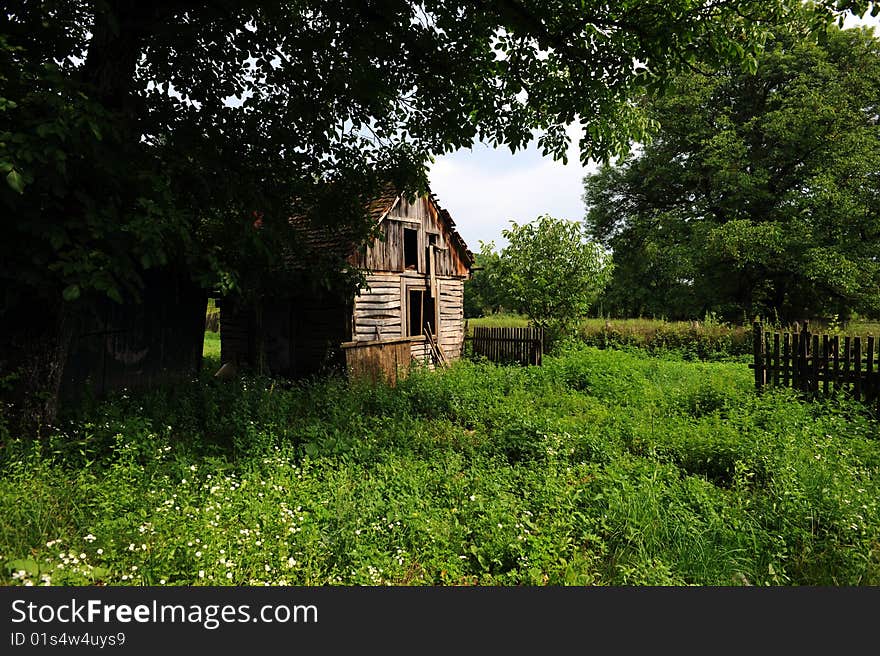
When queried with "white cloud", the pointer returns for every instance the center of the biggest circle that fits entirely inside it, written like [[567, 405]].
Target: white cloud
[[485, 189]]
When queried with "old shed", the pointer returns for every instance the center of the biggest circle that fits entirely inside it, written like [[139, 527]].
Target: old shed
[[411, 308]]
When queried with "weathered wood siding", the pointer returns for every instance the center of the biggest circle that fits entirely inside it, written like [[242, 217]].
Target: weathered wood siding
[[319, 328], [377, 309], [303, 335], [237, 332], [387, 360], [421, 353], [451, 336], [132, 345], [388, 254], [380, 310]]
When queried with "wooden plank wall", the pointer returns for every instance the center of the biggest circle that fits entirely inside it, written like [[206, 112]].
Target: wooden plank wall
[[138, 345], [294, 337], [236, 332], [377, 310], [378, 361], [319, 328], [387, 254], [451, 336], [421, 353]]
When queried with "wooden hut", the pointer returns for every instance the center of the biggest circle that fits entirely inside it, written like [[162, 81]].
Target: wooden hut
[[411, 308]]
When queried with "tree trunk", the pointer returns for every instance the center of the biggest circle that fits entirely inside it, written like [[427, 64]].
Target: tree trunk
[[118, 34], [35, 340], [36, 331]]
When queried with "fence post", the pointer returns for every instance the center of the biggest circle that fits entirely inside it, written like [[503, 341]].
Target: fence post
[[758, 343], [803, 354], [857, 368]]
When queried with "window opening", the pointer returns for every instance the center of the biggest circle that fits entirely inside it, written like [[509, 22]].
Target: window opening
[[410, 248]]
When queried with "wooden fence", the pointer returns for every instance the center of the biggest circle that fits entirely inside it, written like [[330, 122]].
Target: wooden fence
[[817, 364], [522, 345]]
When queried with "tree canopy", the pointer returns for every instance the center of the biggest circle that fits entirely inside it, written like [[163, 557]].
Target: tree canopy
[[136, 134], [760, 193], [484, 293]]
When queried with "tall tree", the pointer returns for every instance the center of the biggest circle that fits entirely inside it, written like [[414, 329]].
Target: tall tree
[[136, 135], [760, 193]]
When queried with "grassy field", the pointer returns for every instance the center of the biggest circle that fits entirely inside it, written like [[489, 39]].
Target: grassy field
[[692, 340], [212, 345], [647, 326], [601, 467]]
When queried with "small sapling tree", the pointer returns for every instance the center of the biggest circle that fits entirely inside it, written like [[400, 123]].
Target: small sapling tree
[[553, 271]]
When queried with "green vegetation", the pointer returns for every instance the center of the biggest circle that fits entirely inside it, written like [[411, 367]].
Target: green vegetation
[[709, 339], [692, 340], [641, 464], [500, 320], [212, 345], [760, 193], [484, 293], [551, 271], [601, 467]]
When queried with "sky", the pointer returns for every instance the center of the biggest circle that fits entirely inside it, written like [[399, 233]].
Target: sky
[[485, 188]]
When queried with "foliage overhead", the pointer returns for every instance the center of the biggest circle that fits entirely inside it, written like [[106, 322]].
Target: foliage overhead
[[552, 271], [761, 192], [135, 135]]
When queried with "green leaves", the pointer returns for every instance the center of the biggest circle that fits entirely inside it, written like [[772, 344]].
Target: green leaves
[[15, 181], [760, 193], [71, 293], [552, 270], [125, 175]]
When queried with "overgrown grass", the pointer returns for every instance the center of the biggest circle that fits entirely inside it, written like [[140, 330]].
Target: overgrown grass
[[702, 340], [601, 467], [706, 340], [499, 321], [212, 345]]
